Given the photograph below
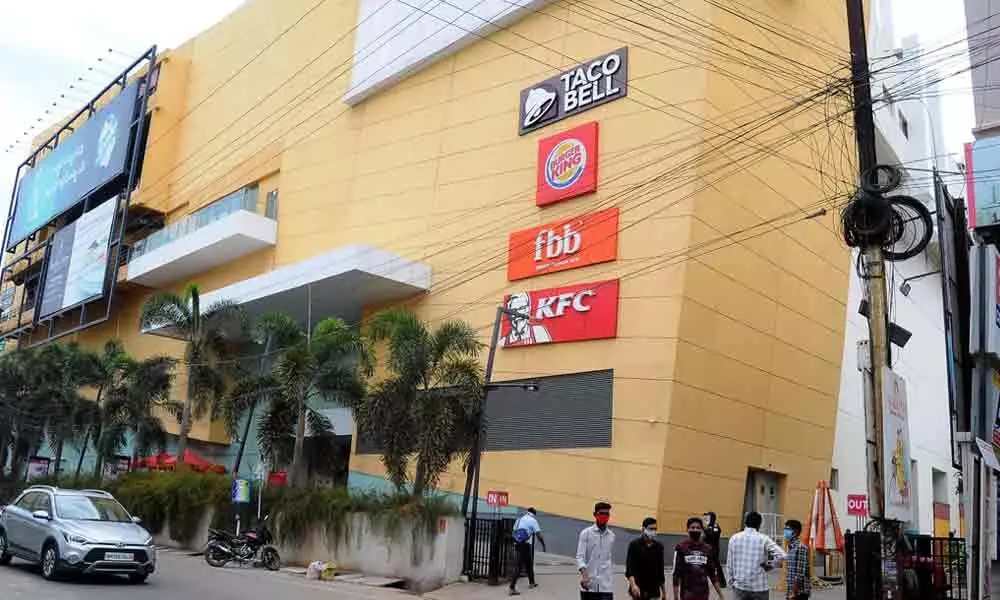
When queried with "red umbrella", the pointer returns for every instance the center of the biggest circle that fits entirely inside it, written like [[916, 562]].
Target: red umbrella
[[165, 460]]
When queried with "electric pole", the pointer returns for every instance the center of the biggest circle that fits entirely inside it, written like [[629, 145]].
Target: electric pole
[[873, 266]]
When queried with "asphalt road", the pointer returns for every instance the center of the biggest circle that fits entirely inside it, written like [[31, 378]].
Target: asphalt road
[[182, 577]]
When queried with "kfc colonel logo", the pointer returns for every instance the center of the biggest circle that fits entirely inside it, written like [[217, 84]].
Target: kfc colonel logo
[[586, 311], [563, 245], [567, 165]]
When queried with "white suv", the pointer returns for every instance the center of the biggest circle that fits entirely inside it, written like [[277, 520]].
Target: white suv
[[75, 531]]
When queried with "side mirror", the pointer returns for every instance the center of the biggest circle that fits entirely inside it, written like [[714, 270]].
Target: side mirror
[[41, 515], [136, 520]]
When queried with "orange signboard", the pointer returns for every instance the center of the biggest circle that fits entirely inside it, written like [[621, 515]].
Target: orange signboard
[[562, 245]]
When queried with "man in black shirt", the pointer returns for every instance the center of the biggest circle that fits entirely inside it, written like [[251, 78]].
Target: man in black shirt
[[713, 537], [644, 566]]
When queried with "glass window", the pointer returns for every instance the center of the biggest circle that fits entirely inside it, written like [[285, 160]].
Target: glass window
[[91, 508], [27, 501]]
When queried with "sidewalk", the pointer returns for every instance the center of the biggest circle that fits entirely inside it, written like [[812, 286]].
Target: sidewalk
[[558, 580]]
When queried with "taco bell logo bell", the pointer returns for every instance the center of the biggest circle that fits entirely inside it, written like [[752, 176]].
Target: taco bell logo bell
[[581, 88]]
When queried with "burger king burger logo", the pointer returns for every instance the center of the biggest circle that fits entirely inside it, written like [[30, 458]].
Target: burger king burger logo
[[565, 163]]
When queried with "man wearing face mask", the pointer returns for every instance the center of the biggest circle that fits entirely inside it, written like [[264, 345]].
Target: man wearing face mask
[[594, 552], [644, 564], [798, 577], [713, 536], [694, 565]]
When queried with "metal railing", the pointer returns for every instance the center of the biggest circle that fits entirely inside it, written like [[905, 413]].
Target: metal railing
[[242, 199], [489, 552], [772, 526]]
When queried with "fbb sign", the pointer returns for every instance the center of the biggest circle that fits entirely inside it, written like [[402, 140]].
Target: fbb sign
[[562, 245], [495, 498], [857, 505], [586, 311], [567, 164]]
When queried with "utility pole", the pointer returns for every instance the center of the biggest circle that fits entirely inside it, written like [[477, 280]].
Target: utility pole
[[875, 289]]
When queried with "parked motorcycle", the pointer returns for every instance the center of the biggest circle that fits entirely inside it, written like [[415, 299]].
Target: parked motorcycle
[[253, 546]]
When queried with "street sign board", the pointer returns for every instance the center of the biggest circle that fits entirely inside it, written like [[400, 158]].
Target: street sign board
[[857, 505], [495, 498], [241, 491]]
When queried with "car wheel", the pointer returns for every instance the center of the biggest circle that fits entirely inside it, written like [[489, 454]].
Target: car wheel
[[50, 562], [5, 554], [138, 578]]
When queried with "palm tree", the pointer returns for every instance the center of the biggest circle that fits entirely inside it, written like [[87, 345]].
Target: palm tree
[[20, 425], [207, 346], [109, 367], [273, 332], [131, 407], [332, 363], [63, 370], [427, 408]]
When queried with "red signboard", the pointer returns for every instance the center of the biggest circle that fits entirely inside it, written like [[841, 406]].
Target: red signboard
[[857, 505], [277, 478], [586, 311], [567, 164], [494, 498], [562, 245]]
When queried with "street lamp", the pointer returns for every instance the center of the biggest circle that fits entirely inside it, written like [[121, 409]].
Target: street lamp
[[475, 458]]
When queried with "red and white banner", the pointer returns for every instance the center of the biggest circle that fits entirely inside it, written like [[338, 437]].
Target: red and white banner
[[563, 245], [497, 498], [586, 311], [567, 164]]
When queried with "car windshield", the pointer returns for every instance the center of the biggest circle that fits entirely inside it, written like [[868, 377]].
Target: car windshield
[[90, 508]]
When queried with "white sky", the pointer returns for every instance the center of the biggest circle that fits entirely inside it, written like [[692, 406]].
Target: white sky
[[45, 45]]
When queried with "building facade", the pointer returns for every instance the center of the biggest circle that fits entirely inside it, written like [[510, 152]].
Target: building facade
[[677, 246]]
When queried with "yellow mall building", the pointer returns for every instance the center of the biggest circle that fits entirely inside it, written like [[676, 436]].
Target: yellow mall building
[[656, 184]]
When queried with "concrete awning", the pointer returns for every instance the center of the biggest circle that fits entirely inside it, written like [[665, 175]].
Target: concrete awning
[[339, 283]]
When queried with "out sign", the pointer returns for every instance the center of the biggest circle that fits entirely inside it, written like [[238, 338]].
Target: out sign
[[857, 505]]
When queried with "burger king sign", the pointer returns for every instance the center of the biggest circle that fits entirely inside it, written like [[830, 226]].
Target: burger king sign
[[567, 164]]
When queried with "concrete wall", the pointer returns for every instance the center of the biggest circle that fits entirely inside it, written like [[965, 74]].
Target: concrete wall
[[427, 560]]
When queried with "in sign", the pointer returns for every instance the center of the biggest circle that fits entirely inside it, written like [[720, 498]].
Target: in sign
[[857, 505], [495, 498]]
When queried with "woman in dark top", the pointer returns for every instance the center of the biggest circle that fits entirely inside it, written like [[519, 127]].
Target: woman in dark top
[[713, 537]]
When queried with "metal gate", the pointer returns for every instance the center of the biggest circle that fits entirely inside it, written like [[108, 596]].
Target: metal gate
[[489, 551], [929, 568]]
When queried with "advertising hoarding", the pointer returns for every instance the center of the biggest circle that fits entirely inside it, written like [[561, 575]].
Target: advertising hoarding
[[896, 448], [78, 260], [562, 245], [585, 86], [92, 157], [586, 311], [567, 165]]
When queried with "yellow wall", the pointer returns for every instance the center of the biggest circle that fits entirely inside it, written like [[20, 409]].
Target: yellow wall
[[723, 361]]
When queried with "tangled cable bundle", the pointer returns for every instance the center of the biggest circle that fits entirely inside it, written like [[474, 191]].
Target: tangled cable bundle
[[900, 225]]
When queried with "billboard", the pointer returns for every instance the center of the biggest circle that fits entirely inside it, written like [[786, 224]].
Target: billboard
[[78, 260], [572, 92], [93, 156], [586, 311], [563, 245], [567, 165], [896, 448]]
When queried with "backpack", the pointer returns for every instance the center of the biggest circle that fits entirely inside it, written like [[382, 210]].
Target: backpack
[[521, 535]]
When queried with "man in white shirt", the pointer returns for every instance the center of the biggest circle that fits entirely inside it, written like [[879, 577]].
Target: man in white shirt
[[751, 555], [526, 529], [594, 552]]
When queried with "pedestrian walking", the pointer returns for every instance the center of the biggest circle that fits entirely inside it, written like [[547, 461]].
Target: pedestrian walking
[[695, 565], [751, 555], [594, 556], [644, 564], [798, 579], [713, 536], [526, 530]]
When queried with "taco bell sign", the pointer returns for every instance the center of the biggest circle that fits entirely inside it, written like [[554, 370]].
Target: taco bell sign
[[579, 89]]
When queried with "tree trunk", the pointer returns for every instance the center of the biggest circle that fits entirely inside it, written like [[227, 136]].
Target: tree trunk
[[83, 452], [418, 478], [297, 474], [58, 458], [182, 439], [243, 441]]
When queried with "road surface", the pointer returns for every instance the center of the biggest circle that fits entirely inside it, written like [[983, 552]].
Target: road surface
[[182, 577]]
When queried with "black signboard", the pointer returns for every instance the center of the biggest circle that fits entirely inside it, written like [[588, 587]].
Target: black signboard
[[579, 89], [78, 261], [95, 155]]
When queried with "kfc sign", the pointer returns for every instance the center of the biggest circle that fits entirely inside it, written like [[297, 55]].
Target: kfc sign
[[581, 88], [567, 165], [587, 311], [563, 245]]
